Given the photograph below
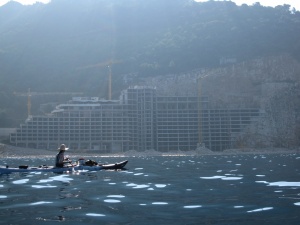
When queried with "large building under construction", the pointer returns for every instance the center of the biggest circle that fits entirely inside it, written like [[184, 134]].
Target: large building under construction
[[140, 120]]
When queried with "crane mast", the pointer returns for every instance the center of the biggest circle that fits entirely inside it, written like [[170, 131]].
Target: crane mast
[[109, 82], [29, 102]]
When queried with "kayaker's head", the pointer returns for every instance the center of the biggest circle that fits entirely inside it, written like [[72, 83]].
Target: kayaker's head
[[63, 147]]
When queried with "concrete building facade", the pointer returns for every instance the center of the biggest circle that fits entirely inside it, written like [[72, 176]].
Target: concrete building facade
[[140, 120]]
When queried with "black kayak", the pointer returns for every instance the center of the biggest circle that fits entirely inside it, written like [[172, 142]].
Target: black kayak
[[114, 166], [76, 167]]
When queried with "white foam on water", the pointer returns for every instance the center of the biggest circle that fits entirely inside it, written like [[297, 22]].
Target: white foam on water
[[64, 178], [192, 206], [40, 203], [1, 185], [112, 183], [231, 178], [285, 184], [131, 185], [260, 210], [116, 196], [138, 174], [45, 181], [95, 214], [41, 186], [138, 168], [22, 181], [262, 181], [141, 186], [238, 206], [112, 200], [213, 177], [297, 203], [3, 196], [160, 185], [222, 177], [260, 175], [159, 203], [150, 189]]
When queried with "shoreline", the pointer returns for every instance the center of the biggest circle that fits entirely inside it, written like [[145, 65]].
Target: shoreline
[[8, 151]]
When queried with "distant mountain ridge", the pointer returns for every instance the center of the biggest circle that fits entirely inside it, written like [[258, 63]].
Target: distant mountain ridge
[[65, 45]]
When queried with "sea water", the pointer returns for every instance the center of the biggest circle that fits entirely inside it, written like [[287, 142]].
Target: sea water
[[222, 189]]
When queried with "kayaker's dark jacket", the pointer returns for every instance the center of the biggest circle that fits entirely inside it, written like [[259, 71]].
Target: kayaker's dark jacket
[[60, 159]]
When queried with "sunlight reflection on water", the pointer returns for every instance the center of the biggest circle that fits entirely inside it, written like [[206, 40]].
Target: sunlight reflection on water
[[179, 190]]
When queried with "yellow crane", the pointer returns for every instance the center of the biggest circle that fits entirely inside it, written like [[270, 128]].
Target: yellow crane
[[108, 64], [199, 80]]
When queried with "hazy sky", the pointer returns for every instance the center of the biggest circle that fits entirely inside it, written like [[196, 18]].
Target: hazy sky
[[293, 3]]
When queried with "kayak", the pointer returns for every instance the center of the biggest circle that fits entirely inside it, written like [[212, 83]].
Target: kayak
[[76, 167]]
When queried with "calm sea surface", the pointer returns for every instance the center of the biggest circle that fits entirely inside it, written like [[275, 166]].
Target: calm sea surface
[[243, 189]]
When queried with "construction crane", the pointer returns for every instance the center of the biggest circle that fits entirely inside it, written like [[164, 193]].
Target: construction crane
[[107, 64], [199, 80], [29, 94]]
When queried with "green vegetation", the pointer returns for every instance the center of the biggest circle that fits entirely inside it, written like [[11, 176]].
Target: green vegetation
[[63, 46]]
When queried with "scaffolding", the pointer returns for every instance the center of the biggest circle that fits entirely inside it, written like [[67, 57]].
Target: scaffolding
[[139, 121]]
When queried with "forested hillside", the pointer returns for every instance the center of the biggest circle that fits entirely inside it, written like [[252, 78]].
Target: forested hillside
[[66, 45]]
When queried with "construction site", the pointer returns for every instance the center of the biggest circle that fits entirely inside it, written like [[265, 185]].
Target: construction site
[[231, 107], [140, 120]]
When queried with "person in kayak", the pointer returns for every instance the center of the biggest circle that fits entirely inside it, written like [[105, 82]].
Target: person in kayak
[[60, 157]]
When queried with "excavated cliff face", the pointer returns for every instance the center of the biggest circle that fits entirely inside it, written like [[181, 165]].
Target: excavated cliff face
[[271, 84]]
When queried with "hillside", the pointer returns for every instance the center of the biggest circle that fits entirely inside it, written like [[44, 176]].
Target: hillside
[[271, 84], [65, 46]]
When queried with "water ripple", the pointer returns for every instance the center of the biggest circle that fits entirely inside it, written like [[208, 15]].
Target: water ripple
[[95, 214], [159, 203], [112, 201], [285, 184], [40, 203], [116, 196], [23, 181], [41, 186], [192, 206], [260, 210], [141, 186], [213, 177]]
